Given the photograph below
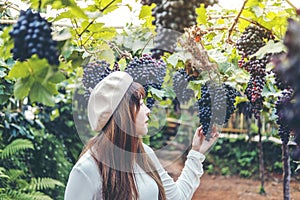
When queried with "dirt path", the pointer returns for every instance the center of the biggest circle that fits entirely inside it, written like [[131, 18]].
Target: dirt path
[[236, 188], [231, 188]]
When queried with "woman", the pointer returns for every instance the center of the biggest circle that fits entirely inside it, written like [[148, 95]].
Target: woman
[[115, 164]]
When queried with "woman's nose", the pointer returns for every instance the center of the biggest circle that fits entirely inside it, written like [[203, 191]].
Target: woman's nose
[[147, 110]]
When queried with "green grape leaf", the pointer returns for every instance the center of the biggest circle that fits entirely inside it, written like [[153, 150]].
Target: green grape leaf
[[239, 100], [95, 27], [158, 94], [2, 73], [19, 70], [109, 5], [258, 11], [122, 64], [252, 3], [22, 87], [32, 67], [202, 16], [145, 14], [57, 77], [173, 59], [270, 47], [40, 93], [105, 33], [107, 55], [78, 12]]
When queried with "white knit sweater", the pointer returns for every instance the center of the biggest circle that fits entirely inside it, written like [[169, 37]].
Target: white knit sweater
[[85, 182]]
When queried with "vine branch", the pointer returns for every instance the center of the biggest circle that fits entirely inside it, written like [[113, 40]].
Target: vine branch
[[8, 21], [107, 5], [235, 22], [291, 4], [91, 22], [152, 37], [122, 54], [243, 18]]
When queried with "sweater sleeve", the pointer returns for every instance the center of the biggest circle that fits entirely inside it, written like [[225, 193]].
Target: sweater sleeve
[[187, 182], [84, 182]]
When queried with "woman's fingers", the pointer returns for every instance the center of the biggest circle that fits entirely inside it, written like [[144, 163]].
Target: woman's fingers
[[214, 132]]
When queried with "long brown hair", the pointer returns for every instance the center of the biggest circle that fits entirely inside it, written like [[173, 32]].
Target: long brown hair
[[118, 148]]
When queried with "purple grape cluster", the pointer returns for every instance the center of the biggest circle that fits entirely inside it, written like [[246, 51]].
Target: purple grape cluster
[[149, 72], [283, 102], [280, 81], [204, 109], [252, 39], [93, 73], [32, 35], [180, 82], [216, 105], [289, 69], [171, 17]]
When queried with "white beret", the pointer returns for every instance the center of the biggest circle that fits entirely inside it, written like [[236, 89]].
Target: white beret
[[105, 98]]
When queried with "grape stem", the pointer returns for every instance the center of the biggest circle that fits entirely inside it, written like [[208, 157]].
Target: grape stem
[[121, 53], [10, 5], [8, 21], [40, 5], [235, 22], [243, 18], [81, 33], [151, 38]]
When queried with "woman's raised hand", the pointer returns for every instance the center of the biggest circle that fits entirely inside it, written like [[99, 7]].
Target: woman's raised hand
[[199, 142]]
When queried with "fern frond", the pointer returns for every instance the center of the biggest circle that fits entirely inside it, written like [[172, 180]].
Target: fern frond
[[2, 174], [14, 174], [36, 196], [44, 183], [16, 146], [16, 194]]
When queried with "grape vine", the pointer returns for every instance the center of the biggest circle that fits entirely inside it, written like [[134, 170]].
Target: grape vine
[[281, 104], [289, 69], [252, 39], [171, 17], [149, 72], [216, 105], [93, 73], [32, 35], [180, 82]]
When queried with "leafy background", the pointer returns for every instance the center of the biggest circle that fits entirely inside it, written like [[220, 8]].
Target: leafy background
[[39, 143]]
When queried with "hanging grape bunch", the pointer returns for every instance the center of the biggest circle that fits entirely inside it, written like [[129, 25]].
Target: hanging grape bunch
[[148, 72], [245, 107], [252, 39], [291, 75], [32, 35], [170, 19], [93, 73], [180, 82], [204, 110], [216, 105], [283, 102], [231, 94]]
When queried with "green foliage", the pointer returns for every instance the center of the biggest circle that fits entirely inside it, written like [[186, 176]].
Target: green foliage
[[36, 79], [49, 91], [240, 157], [14, 183], [43, 183], [16, 146]]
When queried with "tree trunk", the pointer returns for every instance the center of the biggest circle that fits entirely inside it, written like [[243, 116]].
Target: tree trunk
[[261, 160], [286, 171]]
